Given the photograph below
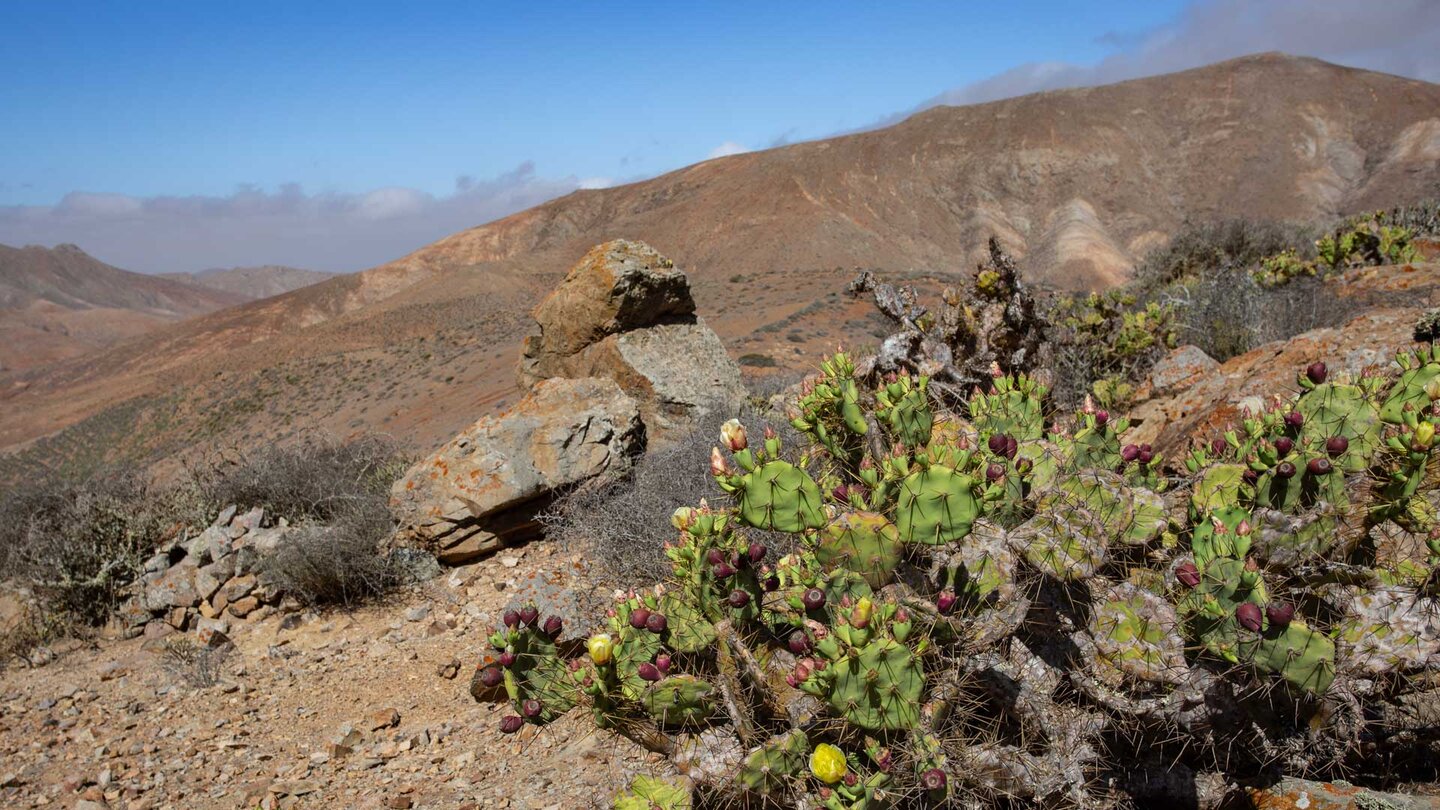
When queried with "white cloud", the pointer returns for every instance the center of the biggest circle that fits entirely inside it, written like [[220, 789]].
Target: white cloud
[[324, 231], [727, 149], [596, 182], [1394, 36]]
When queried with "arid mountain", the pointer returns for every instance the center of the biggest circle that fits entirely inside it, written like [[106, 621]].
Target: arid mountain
[[1079, 183], [252, 282], [57, 303]]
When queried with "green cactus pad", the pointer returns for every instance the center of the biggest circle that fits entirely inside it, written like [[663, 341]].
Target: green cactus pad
[[1014, 408], [1138, 633], [936, 505], [880, 687], [862, 542], [1210, 606], [688, 631], [679, 700], [540, 674], [1066, 542], [1389, 629], [780, 497], [1303, 657], [770, 769], [1410, 389], [1332, 409], [904, 407], [649, 793], [1219, 487]]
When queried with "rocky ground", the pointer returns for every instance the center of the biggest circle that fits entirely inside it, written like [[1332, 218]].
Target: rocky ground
[[369, 709]]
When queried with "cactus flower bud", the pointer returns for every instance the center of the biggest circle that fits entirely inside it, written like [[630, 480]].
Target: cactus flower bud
[[1295, 420], [1317, 373], [732, 433], [933, 779], [770, 433], [1319, 466], [529, 615], [1336, 446], [1089, 406], [1244, 528], [738, 599], [553, 626], [1424, 435], [1188, 574], [507, 659], [717, 462], [802, 670], [656, 623], [792, 680], [1280, 614], [510, 723], [860, 616], [648, 672], [1284, 445], [1249, 616], [1129, 453], [530, 708], [945, 602], [814, 599], [511, 619], [1285, 470], [798, 642], [601, 648], [828, 763], [662, 663], [638, 617], [491, 677], [683, 518]]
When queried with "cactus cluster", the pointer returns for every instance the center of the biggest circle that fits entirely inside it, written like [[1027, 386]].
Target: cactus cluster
[[1002, 604]]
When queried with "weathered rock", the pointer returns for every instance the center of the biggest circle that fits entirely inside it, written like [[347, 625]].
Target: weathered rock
[[1183, 366], [483, 488], [625, 312], [175, 588]]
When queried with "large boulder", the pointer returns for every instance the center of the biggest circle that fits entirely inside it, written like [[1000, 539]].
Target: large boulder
[[483, 489], [626, 313]]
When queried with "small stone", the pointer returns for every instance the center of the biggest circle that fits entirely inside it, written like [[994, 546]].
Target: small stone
[[241, 608], [449, 670], [385, 718], [417, 614]]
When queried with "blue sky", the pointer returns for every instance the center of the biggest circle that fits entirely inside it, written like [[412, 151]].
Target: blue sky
[[168, 135]]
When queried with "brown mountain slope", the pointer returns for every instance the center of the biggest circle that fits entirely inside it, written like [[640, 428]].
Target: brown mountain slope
[[58, 303], [1079, 182], [253, 283]]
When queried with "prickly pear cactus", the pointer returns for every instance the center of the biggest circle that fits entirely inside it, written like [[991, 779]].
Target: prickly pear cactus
[[936, 505], [862, 542]]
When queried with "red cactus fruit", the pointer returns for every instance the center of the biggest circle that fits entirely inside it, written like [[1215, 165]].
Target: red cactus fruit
[[648, 672], [1188, 574], [738, 598], [662, 663], [507, 659], [1249, 616], [1317, 373], [529, 615], [798, 642], [933, 779], [1129, 453], [1319, 466], [656, 623], [1285, 470], [1336, 446], [945, 602], [530, 708], [510, 723], [638, 617], [1294, 419], [1284, 445], [814, 599], [1280, 614], [491, 677], [511, 619]]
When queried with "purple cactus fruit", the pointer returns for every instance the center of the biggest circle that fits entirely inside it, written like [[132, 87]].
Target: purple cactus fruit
[[491, 677], [790, 679], [648, 672], [945, 602], [772, 583], [656, 623], [814, 599], [638, 617], [662, 663], [510, 723], [1146, 454], [530, 708], [529, 615], [933, 779], [1250, 477], [1188, 574], [1319, 466], [511, 619], [507, 659], [738, 599], [994, 473], [1280, 614], [799, 643], [1317, 373], [1284, 445], [723, 571], [1102, 418], [714, 556], [1218, 447], [1129, 453], [756, 552], [1011, 447], [553, 626], [997, 443], [1336, 446], [1294, 419], [1285, 470], [1249, 616], [841, 493]]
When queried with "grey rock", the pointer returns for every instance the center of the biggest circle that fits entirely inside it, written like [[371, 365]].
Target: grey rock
[[175, 588], [483, 488]]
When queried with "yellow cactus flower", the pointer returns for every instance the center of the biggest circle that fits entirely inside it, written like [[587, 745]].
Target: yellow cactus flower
[[601, 647], [1424, 435], [827, 763]]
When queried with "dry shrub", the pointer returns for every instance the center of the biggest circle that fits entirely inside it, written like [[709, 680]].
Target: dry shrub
[[195, 664], [1226, 313], [337, 496], [1200, 250]]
